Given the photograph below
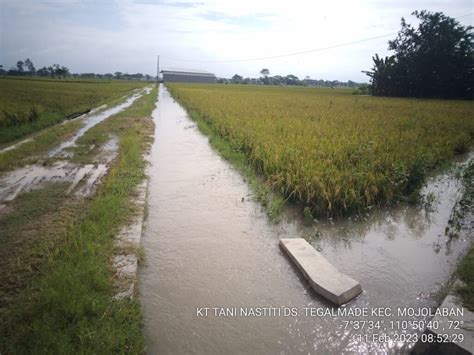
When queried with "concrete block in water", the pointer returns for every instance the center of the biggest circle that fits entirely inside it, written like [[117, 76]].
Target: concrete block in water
[[324, 278]]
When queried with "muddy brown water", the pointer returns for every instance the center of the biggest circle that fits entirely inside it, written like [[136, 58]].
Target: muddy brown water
[[206, 247], [83, 179]]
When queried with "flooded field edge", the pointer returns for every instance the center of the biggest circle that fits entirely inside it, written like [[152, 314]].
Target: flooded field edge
[[34, 176], [69, 238], [280, 209], [128, 255], [201, 211], [272, 202]]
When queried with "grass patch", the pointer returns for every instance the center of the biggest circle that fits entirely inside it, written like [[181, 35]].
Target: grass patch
[[33, 151], [27, 238], [466, 267], [14, 132], [90, 143], [67, 305], [466, 274]]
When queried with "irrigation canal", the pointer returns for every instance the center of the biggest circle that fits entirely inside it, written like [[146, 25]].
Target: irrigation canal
[[208, 245]]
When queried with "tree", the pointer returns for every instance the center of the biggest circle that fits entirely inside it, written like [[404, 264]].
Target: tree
[[64, 71], [434, 60], [291, 80], [43, 72], [237, 79], [56, 70], [50, 70], [384, 82], [277, 80], [19, 67], [265, 73], [29, 65]]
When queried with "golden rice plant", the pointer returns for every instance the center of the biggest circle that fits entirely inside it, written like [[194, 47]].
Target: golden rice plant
[[23, 100], [330, 150], [27, 104]]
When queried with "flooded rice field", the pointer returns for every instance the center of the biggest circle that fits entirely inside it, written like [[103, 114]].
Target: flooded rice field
[[83, 179], [94, 118], [215, 280]]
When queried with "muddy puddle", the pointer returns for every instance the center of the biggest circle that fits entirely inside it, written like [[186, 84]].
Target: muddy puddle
[[83, 179], [93, 118], [208, 244]]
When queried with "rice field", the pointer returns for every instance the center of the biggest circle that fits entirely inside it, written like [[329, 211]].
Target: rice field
[[29, 105], [334, 152]]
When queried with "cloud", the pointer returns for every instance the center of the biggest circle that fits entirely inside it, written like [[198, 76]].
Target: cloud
[[126, 35]]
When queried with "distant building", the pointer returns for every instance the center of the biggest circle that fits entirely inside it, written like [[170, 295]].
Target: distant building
[[187, 76]]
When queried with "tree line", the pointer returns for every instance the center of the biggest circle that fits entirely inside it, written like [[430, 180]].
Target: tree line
[[56, 71], [266, 79], [435, 60]]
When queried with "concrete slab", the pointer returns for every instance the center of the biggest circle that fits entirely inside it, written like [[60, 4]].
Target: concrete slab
[[324, 278]]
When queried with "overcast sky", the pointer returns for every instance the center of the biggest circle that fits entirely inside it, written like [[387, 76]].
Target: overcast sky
[[107, 36]]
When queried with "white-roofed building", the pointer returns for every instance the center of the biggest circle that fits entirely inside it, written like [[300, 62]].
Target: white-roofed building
[[187, 76]]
